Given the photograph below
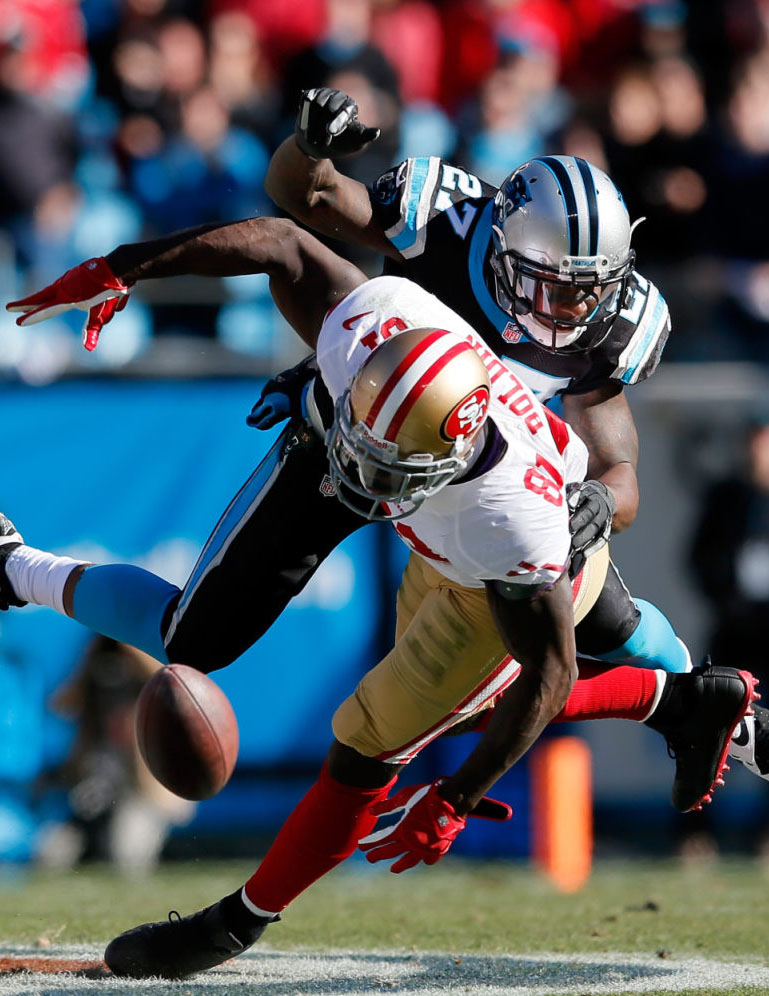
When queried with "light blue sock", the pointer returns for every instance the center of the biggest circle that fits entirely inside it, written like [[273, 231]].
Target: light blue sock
[[125, 603], [653, 644]]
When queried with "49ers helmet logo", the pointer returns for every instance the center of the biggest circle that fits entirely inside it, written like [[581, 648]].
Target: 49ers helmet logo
[[466, 416]]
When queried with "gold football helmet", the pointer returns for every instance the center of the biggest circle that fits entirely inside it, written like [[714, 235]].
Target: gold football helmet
[[405, 427]]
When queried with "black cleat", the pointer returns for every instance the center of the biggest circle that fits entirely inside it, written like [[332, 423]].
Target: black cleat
[[10, 538], [697, 715], [181, 945]]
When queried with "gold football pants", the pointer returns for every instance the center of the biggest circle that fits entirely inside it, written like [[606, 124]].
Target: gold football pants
[[448, 663]]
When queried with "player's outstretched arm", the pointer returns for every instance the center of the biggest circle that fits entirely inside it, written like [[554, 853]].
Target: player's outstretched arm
[[295, 261], [303, 181], [603, 420], [539, 633]]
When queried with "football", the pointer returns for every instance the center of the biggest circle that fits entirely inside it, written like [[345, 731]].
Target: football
[[187, 732]]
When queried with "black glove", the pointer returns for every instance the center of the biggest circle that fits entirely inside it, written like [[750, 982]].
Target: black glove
[[327, 125], [281, 396], [591, 509]]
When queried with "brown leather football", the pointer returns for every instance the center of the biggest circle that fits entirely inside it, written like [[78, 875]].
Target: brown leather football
[[187, 732]]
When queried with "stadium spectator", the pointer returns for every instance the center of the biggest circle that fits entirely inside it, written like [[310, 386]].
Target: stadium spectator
[[476, 34], [125, 52], [207, 170], [517, 110], [721, 34], [117, 811], [37, 143], [241, 75], [285, 27], [52, 64], [410, 35], [656, 144], [730, 554], [656, 148], [738, 161], [345, 45]]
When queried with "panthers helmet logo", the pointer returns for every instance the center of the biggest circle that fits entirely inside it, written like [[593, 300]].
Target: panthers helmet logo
[[513, 195]]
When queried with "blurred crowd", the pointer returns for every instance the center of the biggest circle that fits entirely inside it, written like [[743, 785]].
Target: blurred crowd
[[122, 119]]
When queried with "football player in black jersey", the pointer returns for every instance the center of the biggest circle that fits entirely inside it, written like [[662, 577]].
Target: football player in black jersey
[[543, 269], [556, 230]]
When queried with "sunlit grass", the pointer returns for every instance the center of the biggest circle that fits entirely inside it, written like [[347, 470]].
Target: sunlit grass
[[657, 908]]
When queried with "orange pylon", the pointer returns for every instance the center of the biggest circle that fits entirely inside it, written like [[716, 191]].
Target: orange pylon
[[562, 811]]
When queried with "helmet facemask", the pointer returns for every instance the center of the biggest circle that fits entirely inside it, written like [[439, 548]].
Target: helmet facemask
[[563, 310], [394, 486], [409, 423]]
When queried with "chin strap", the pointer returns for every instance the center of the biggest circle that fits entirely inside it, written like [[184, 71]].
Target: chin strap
[[514, 307]]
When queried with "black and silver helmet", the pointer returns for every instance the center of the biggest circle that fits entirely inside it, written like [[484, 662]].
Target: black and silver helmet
[[562, 255]]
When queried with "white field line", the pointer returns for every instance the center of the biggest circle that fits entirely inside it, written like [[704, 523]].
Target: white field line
[[267, 972]]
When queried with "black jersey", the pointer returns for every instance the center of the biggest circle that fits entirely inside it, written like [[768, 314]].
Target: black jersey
[[438, 217]]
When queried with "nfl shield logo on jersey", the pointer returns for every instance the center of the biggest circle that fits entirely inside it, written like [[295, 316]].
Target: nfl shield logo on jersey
[[327, 488], [512, 333]]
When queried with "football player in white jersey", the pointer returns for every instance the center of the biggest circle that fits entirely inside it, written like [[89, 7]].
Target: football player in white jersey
[[482, 583], [505, 517], [553, 243]]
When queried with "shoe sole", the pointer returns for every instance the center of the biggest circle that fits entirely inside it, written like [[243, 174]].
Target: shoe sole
[[750, 696]]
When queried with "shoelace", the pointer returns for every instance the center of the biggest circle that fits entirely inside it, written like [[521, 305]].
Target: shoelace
[[674, 747], [175, 917]]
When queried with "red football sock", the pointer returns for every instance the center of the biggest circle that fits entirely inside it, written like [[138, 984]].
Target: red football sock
[[603, 692], [322, 831]]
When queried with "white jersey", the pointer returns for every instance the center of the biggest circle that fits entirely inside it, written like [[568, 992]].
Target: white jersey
[[508, 523]]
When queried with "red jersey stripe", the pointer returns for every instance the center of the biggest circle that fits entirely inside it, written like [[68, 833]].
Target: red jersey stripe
[[558, 429]]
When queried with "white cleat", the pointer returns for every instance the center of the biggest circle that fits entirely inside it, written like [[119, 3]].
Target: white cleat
[[8, 532], [10, 538], [744, 742]]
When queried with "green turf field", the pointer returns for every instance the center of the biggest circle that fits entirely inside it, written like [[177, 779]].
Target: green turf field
[[659, 910], [638, 906]]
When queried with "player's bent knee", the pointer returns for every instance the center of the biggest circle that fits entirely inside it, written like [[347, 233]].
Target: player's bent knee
[[203, 658], [349, 767], [352, 727], [204, 652]]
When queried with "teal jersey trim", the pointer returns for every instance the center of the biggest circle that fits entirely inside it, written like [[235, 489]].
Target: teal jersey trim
[[408, 235], [640, 349]]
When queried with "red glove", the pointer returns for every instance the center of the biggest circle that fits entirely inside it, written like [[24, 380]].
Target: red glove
[[91, 287], [427, 828]]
